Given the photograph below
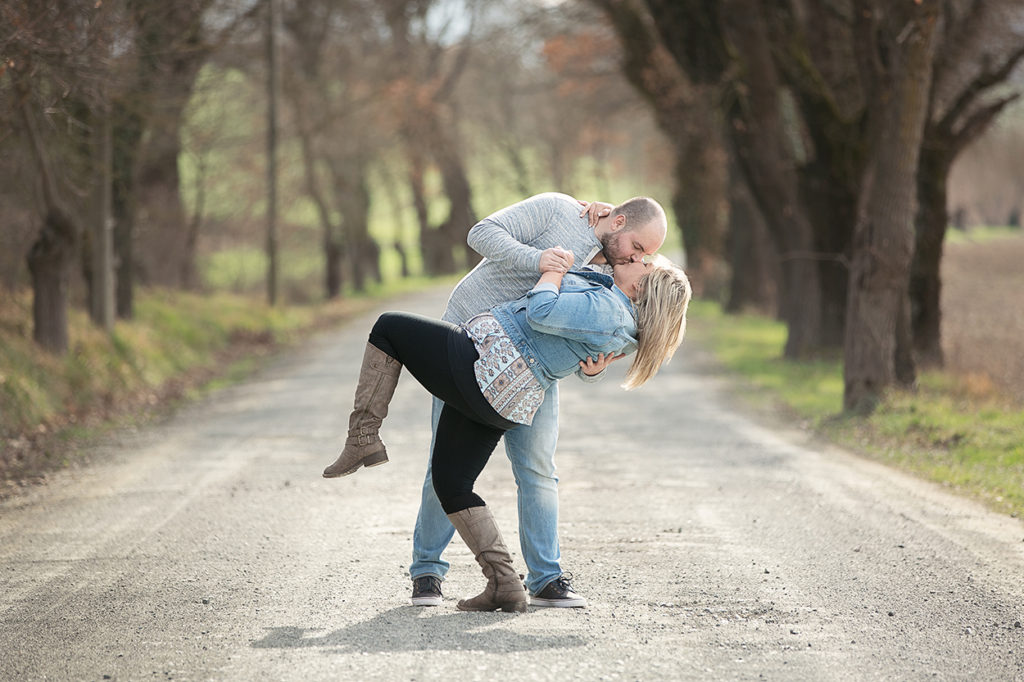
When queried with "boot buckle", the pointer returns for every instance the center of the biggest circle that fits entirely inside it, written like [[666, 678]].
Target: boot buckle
[[364, 437]]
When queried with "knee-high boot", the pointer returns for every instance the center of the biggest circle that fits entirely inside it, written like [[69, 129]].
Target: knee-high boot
[[504, 589], [378, 378]]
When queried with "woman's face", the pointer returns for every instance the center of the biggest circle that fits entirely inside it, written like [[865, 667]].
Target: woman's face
[[627, 275]]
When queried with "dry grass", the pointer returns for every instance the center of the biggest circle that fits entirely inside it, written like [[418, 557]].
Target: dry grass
[[983, 314]]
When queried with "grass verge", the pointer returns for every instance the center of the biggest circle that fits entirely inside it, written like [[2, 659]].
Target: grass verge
[[959, 431], [178, 346]]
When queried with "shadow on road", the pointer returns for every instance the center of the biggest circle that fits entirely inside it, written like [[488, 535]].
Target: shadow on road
[[417, 629]]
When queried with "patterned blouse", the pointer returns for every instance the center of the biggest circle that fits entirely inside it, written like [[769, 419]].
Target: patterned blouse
[[503, 376]]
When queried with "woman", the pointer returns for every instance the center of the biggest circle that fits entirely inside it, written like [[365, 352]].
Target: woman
[[492, 375]]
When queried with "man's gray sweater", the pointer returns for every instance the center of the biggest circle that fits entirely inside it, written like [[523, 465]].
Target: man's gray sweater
[[511, 242]]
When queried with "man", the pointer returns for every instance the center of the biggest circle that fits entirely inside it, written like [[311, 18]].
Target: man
[[516, 243]]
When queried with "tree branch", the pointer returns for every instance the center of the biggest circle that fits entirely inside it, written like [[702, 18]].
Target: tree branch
[[984, 81], [444, 91], [978, 122]]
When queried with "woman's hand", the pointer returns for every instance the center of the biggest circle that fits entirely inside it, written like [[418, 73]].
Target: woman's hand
[[556, 259], [592, 368], [594, 210]]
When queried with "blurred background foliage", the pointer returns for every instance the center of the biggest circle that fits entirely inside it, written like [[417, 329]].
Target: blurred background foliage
[[816, 158]]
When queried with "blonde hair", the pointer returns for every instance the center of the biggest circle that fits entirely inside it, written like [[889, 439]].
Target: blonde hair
[[664, 294]]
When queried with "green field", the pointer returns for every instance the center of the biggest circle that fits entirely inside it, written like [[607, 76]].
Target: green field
[[950, 430]]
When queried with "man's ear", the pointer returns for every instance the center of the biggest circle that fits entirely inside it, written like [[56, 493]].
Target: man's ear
[[618, 222]]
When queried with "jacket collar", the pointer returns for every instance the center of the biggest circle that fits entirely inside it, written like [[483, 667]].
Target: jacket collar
[[599, 277], [608, 282]]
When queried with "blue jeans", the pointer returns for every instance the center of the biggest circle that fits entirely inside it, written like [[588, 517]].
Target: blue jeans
[[531, 450]]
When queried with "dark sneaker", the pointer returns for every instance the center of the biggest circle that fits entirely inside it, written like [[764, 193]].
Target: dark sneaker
[[558, 593], [426, 591]]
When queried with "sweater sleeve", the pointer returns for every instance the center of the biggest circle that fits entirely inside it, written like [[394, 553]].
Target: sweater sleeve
[[506, 236]]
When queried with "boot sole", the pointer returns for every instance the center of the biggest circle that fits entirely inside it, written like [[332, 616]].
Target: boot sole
[[374, 460], [515, 607], [559, 603]]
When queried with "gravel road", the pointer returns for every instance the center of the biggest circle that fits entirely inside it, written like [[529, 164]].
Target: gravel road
[[710, 548]]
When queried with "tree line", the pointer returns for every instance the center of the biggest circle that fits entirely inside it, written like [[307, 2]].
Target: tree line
[[810, 142], [839, 121], [401, 91]]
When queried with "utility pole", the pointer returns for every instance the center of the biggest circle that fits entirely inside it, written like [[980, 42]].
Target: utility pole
[[273, 88]]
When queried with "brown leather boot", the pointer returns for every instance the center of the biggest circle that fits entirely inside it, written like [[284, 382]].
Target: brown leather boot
[[378, 378], [504, 589]]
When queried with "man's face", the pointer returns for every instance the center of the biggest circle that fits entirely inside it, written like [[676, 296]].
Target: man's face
[[622, 246]]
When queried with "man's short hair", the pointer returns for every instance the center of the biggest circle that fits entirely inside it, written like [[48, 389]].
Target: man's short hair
[[640, 211]]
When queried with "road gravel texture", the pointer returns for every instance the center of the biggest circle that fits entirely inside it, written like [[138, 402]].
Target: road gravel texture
[[710, 547]]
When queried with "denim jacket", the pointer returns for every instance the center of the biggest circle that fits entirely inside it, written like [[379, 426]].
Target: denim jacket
[[555, 329]]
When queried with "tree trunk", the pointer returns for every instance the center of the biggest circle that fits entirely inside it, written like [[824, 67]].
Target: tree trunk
[[101, 283], [686, 114], [441, 144], [352, 197], [51, 256], [428, 239], [755, 265], [49, 262], [127, 144], [831, 204], [884, 235], [334, 277], [363, 252], [190, 278], [333, 247], [435, 242], [460, 202], [700, 199], [930, 233], [161, 213], [273, 92], [754, 120], [813, 51], [904, 367], [172, 53]]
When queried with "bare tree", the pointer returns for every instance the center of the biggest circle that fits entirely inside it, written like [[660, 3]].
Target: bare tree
[[337, 86], [729, 45], [165, 45], [273, 95], [981, 45], [426, 73], [686, 111], [57, 59], [799, 101]]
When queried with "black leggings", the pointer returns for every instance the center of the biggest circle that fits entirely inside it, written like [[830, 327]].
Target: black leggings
[[440, 355]]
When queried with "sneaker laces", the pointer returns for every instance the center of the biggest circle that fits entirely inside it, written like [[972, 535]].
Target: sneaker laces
[[563, 582], [427, 583]]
